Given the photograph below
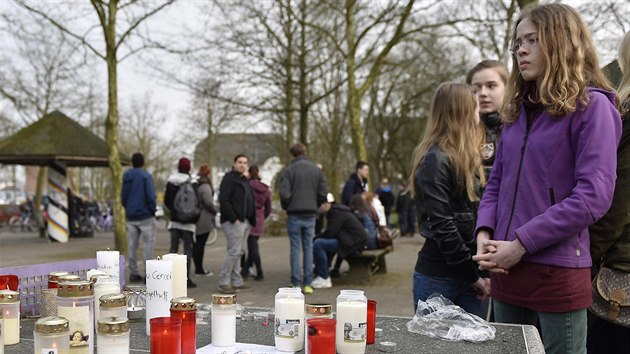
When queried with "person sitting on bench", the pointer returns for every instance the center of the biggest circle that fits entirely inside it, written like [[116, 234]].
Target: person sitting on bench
[[344, 235]]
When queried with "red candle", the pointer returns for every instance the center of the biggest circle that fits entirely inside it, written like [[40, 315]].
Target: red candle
[[185, 308], [166, 335], [321, 335], [371, 321], [53, 279]]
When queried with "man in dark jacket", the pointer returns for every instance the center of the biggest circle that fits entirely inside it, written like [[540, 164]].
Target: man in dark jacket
[[302, 190], [138, 198], [238, 215], [344, 235], [357, 183], [180, 229]]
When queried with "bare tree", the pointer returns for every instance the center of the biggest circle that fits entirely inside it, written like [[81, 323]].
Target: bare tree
[[115, 40]]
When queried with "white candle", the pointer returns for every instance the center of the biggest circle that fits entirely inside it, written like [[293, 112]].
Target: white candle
[[179, 273], [289, 331], [103, 286], [113, 344], [11, 330], [223, 328], [159, 290], [351, 327], [108, 262], [92, 272]]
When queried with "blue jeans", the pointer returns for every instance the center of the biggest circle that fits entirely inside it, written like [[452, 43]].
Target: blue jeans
[[301, 231], [561, 332], [135, 230], [323, 248], [459, 291]]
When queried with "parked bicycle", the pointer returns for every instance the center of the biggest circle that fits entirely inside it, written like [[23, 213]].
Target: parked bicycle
[[22, 222]]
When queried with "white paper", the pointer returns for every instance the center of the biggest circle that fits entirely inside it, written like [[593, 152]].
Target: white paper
[[179, 273], [240, 348], [108, 262], [159, 290]]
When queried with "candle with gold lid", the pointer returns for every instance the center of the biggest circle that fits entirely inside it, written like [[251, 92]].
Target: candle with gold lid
[[103, 284], [76, 303], [113, 305], [10, 305], [223, 320], [51, 335], [186, 309], [67, 277], [113, 335], [53, 279]]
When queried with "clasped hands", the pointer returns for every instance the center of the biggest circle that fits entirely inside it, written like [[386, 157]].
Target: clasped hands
[[497, 256]]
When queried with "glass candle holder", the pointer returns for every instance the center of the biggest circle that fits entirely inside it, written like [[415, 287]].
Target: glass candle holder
[[113, 305], [113, 335], [315, 311], [75, 301], [186, 309], [223, 320], [351, 322], [321, 335], [371, 321], [48, 302], [136, 301], [10, 305], [104, 284], [166, 335], [51, 335], [53, 279], [289, 323]]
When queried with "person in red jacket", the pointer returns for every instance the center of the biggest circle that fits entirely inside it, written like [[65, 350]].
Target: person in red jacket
[[262, 196]]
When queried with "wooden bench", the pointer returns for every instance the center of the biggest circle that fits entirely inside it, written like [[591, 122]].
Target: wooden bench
[[365, 265]]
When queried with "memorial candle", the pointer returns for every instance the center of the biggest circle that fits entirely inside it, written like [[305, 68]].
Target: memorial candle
[[159, 289], [166, 335], [1, 333], [76, 304], [51, 335], [104, 284], [315, 311], [113, 305], [186, 308], [113, 336], [53, 279], [351, 322], [108, 262], [180, 276], [10, 305], [289, 323], [223, 320]]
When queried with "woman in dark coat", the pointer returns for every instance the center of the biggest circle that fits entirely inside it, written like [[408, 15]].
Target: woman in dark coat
[[205, 225], [263, 209]]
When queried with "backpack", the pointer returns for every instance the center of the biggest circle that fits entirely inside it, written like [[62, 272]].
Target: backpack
[[187, 203]]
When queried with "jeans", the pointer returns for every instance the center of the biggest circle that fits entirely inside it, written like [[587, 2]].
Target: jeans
[[561, 332], [253, 255], [187, 237], [323, 248], [135, 229], [301, 231], [199, 246], [235, 234], [460, 292]]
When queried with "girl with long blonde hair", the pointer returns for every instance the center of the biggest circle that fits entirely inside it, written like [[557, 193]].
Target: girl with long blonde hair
[[554, 176], [445, 181]]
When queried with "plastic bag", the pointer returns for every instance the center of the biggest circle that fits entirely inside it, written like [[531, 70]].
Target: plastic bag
[[439, 318]]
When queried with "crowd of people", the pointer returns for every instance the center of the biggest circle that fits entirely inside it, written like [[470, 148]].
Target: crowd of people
[[517, 186]]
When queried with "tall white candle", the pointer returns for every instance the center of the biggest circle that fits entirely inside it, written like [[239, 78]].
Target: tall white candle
[[351, 327], [108, 262], [179, 273], [10, 307], [159, 290], [1, 333], [289, 332]]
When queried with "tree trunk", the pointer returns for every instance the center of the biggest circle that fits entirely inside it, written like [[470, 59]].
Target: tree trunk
[[288, 86], [354, 101], [210, 139], [111, 130]]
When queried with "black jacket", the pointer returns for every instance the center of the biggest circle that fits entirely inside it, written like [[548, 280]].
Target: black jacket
[[492, 124], [447, 221], [172, 186], [347, 229], [353, 186], [236, 199]]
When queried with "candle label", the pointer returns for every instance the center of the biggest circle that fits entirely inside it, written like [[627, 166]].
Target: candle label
[[287, 328], [354, 334], [49, 351], [80, 327]]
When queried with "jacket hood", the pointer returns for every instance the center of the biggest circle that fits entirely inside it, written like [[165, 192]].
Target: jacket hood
[[258, 186], [179, 178], [611, 96]]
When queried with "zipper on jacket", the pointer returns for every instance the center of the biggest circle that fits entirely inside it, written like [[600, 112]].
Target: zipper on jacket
[[518, 177], [552, 196]]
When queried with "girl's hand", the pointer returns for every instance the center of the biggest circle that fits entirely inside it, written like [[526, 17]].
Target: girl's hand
[[482, 287], [483, 237], [507, 254]]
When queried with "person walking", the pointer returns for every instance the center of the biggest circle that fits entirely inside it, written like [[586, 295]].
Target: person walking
[[610, 236], [445, 186], [205, 225], [302, 190], [180, 229], [263, 209], [138, 199], [238, 215], [553, 176]]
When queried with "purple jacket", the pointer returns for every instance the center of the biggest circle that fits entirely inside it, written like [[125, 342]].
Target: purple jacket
[[263, 206], [549, 183]]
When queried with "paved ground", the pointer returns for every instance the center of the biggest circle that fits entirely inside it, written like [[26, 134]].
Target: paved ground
[[392, 291]]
